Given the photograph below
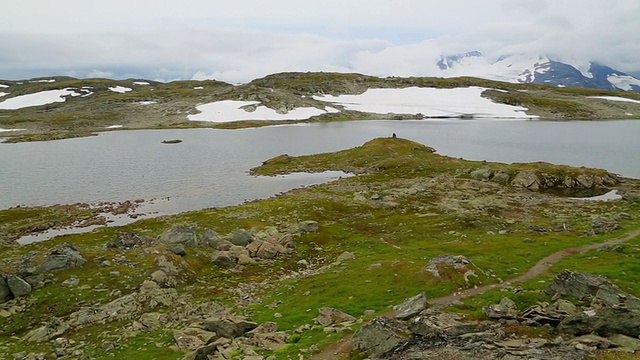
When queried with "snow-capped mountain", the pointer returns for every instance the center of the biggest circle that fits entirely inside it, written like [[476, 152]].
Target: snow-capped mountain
[[537, 70]]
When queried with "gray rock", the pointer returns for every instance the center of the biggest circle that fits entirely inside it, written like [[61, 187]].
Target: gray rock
[[18, 286], [345, 256], [329, 316], [483, 174], [229, 327], [604, 322], [240, 237], [213, 240], [224, 258], [177, 249], [379, 336], [527, 179], [501, 177], [179, 234], [64, 256], [626, 342], [444, 324], [584, 286], [192, 338], [411, 307], [265, 249], [128, 240], [72, 281], [52, 329], [5, 292], [308, 226]]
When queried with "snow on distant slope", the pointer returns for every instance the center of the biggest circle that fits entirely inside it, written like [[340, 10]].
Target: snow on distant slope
[[37, 99], [4, 86], [3, 94], [120, 89], [232, 110], [7, 130], [615, 98], [430, 102], [515, 68], [625, 82]]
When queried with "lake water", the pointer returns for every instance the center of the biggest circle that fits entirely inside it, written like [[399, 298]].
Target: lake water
[[209, 168]]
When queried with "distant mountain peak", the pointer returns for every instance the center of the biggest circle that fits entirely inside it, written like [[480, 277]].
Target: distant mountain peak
[[537, 69], [449, 61]]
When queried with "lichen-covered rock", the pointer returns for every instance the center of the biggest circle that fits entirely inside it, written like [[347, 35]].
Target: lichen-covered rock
[[329, 316], [411, 307], [179, 234], [229, 327], [240, 237], [5, 292], [64, 256], [379, 336], [18, 286]]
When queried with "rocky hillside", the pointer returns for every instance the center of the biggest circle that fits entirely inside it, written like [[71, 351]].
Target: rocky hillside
[[60, 107], [286, 277]]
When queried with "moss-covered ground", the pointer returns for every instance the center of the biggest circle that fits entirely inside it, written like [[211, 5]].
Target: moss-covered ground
[[407, 206]]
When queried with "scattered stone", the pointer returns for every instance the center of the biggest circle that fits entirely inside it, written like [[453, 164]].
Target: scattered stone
[[52, 329], [329, 316], [63, 256], [213, 240], [411, 307], [177, 249], [5, 291], [345, 256], [240, 237], [229, 327], [379, 336], [179, 234], [128, 240], [72, 281], [483, 174]]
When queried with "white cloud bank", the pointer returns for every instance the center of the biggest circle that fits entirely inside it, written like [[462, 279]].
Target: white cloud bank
[[237, 41]]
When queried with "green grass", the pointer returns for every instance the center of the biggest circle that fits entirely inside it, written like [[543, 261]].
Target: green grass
[[448, 214]]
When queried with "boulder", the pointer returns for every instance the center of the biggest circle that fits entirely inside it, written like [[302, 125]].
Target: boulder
[[229, 327], [589, 287], [483, 174], [52, 329], [224, 258], [177, 249], [192, 338], [626, 342], [411, 307], [63, 256], [213, 240], [444, 324], [604, 322], [379, 336], [5, 292], [265, 249], [328, 316], [501, 177], [506, 309], [18, 286], [127, 240], [308, 226], [527, 179], [179, 234], [240, 237]]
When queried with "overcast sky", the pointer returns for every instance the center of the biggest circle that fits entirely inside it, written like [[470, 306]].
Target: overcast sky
[[239, 40]]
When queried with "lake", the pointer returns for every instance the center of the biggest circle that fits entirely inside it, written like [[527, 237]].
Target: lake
[[209, 168]]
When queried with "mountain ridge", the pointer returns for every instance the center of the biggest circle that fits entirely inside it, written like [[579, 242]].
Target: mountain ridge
[[521, 68]]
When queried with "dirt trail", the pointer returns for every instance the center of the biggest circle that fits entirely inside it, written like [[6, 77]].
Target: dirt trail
[[342, 347]]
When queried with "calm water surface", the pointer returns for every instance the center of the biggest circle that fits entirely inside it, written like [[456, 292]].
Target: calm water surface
[[209, 168]]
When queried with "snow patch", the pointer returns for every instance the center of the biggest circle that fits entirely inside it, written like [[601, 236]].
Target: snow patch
[[623, 82], [140, 83], [615, 98], [233, 110], [120, 89], [430, 102], [3, 94], [198, 88], [147, 102], [6, 130], [611, 195], [43, 81], [113, 127], [37, 99], [4, 86]]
